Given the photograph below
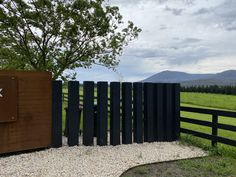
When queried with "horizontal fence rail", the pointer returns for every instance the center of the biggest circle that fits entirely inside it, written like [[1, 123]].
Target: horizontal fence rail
[[124, 112], [214, 125]]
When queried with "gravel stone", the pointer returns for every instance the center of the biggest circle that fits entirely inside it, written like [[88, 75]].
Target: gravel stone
[[93, 161]]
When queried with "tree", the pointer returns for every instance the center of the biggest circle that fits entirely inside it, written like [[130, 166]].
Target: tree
[[56, 35]]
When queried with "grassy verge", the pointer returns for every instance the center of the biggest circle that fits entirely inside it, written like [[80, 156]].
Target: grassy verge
[[221, 162], [212, 166]]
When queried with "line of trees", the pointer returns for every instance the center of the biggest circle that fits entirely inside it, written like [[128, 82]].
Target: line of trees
[[228, 90]]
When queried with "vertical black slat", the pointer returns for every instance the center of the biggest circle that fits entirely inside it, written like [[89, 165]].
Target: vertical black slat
[[127, 113], [88, 118], [177, 111], [138, 112], [154, 113], [102, 107], [214, 128], [164, 112], [169, 112], [159, 112], [73, 113], [56, 114], [115, 113], [148, 112]]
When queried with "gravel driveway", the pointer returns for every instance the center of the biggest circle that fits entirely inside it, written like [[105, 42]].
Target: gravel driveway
[[107, 161]]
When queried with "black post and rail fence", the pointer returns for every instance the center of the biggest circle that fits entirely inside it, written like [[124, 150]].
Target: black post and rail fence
[[213, 124]]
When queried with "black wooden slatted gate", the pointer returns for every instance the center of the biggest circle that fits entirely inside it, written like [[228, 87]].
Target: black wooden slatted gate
[[127, 112]]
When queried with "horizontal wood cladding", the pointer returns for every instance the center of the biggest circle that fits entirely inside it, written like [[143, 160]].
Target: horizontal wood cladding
[[32, 129]]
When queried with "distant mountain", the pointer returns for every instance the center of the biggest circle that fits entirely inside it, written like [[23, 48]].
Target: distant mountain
[[230, 74], [186, 79], [175, 76]]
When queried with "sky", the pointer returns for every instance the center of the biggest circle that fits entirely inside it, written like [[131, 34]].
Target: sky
[[194, 36]]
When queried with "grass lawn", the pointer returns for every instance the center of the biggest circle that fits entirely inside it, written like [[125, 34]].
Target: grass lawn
[[212, 166]]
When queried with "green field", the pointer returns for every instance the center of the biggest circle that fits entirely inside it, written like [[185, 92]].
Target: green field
[[209, 100]]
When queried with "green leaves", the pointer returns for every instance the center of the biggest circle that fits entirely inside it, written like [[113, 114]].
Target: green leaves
[[56, 35]]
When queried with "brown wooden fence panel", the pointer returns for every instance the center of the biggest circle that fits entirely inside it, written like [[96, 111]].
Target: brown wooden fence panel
[[33, 126]]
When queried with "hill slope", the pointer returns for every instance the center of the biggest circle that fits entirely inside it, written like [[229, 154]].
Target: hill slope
[[186, 79]]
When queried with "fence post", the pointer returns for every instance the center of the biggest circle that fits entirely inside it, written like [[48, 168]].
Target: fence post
[[88, 119], [56, 114], [126, 113], [102, 107], [169, 112], [148, 112], [214, 129], [138, 112], [159, 112], [115, 113], [73, 113]]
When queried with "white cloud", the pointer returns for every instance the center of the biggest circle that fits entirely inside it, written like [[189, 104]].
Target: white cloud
[[185, 35], [208, 65]]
